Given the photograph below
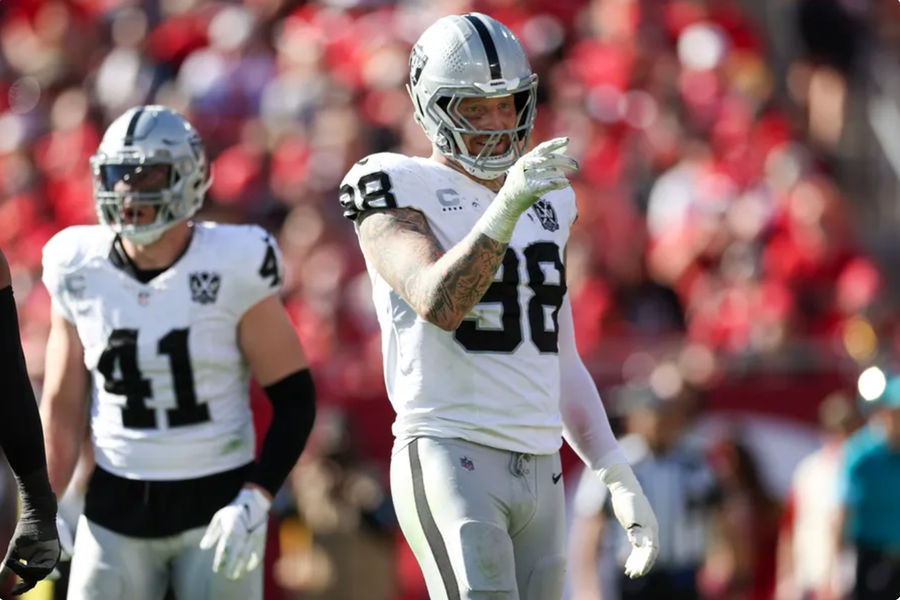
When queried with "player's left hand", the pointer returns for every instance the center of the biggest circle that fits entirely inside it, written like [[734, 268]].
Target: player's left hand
[[238, 532], [633, 511]]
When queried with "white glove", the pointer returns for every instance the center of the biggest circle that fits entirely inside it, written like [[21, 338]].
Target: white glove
[[532, 176], [633, 511], [239, 533], [66, 539]]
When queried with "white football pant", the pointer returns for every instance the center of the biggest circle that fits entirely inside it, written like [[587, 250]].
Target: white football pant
[[109, 566], [483, 523]]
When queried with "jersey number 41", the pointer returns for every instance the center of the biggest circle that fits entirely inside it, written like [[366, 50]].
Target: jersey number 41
[[121, 350]]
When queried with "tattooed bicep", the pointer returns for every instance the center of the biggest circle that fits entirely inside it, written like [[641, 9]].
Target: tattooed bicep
[[397, 241]]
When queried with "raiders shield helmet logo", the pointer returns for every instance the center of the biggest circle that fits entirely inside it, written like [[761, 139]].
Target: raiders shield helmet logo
[[417, 60], [546, 214], [204, 287]]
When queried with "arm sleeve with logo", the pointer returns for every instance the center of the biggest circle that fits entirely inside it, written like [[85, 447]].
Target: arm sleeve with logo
[[384, 180]]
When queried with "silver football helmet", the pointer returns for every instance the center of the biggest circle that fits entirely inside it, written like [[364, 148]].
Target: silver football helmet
[[471, 55], [159, 155]]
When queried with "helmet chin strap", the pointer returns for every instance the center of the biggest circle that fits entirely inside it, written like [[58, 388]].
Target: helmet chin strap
[[482, 173], [489, 174], [475, 165], [143, 238]]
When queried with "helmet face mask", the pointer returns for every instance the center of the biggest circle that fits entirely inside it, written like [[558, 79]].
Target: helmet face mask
[[150, 157], [471, 56]]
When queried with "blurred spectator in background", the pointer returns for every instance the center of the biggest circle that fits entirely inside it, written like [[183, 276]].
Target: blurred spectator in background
[[832, 35], [869, 486], [809, 567], [679, 483], [740, 562]]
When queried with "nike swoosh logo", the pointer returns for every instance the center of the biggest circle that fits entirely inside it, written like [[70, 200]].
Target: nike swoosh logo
[[556, 478]]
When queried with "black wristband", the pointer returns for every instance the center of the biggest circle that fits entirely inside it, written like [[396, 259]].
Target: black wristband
[[20, 424], [293, 413]]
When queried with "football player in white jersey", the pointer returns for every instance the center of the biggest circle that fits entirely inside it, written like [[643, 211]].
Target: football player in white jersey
[[465, 250], [165, 320]]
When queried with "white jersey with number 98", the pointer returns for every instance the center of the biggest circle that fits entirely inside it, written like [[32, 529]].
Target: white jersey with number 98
[[170, 385], [495, 380]]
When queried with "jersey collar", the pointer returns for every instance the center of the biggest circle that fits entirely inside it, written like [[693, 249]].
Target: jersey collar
[[120, 259]]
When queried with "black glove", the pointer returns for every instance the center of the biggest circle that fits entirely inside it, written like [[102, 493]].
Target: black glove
[[34, 549]]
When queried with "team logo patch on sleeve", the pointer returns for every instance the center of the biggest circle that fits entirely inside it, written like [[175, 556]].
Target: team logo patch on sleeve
[[205, 287], [547, 215]]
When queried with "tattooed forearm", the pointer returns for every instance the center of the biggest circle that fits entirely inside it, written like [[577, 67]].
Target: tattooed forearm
[[459, 279], [442, 287]]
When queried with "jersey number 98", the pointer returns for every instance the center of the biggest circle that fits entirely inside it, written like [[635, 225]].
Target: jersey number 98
[[506, 292], [374, 192]]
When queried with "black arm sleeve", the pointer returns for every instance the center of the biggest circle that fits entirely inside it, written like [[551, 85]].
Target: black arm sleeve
[[20, 424], [294, 410]]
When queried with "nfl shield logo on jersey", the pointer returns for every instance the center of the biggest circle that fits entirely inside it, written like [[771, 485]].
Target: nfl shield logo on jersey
[[204, 287], [547, 215], [467, 463]]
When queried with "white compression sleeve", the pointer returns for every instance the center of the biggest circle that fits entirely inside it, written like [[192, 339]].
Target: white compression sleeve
[[585, 424]]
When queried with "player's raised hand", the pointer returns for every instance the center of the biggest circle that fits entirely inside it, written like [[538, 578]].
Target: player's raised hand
[[238, 533], [533, 175], [536, 173], [34, 549], [633, 511]]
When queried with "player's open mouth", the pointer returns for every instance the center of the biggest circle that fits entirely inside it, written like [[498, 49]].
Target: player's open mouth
[[499, 148]]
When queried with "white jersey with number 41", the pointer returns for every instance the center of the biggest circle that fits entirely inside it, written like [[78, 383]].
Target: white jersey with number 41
[[170, 385], [495, 380]]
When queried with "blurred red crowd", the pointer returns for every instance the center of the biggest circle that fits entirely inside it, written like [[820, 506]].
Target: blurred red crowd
[[705, 215], [709, 226]]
